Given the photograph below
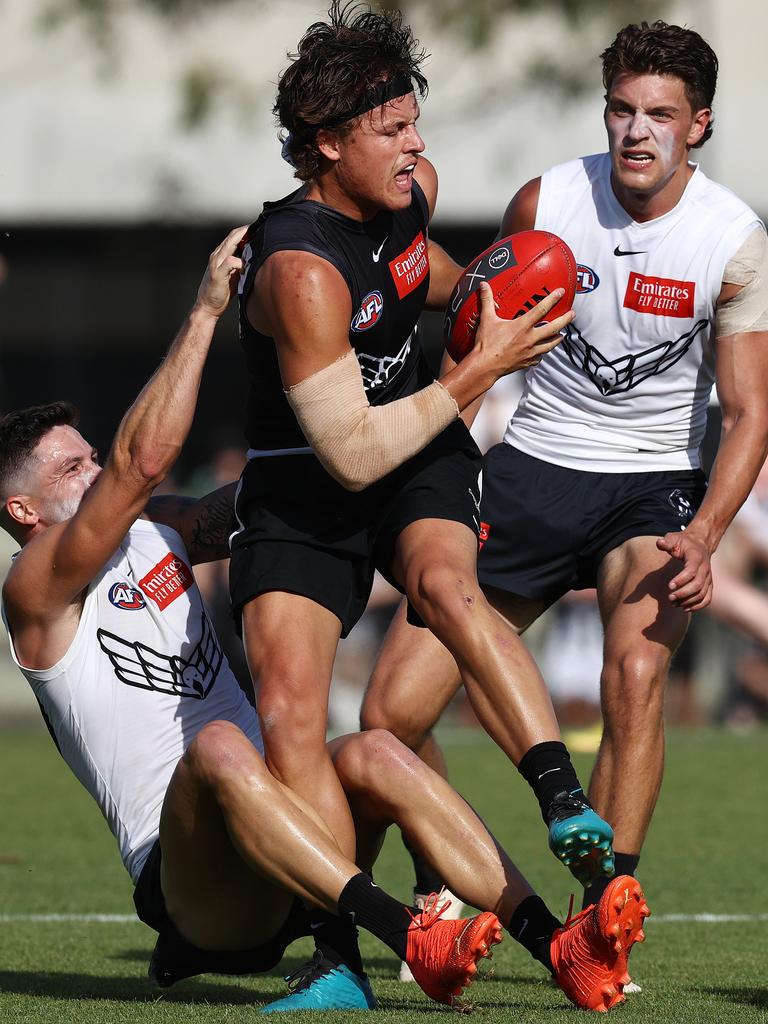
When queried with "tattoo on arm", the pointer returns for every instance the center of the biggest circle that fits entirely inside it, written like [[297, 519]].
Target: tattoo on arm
[[209, 531]]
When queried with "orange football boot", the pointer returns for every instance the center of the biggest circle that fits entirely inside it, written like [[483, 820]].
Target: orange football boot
[[589, 954], [443, 955]]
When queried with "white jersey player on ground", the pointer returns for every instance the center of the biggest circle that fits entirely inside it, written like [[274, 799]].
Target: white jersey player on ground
[[107, 624], [598, 482]]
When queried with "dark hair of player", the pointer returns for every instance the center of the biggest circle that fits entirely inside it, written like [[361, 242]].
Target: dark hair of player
[[337, 72], [662, 49], [21, 431]]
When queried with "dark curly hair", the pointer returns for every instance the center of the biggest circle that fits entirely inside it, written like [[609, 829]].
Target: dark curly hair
[[338, 65], [662, 49], [21, 431]]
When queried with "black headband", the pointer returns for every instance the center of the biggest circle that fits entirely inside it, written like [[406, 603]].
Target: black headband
[[399, 84]]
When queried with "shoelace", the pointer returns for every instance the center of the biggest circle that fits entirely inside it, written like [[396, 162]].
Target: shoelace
[[565, 804], [571, 920], [304, 975], [430, 911]]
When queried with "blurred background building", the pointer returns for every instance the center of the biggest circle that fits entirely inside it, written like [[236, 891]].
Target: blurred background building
[[136, 132]]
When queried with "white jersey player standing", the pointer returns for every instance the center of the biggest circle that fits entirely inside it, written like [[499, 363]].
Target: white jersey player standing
[[598, 482]]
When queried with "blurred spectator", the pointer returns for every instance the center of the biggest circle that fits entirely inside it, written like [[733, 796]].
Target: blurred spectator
[[740, 570]]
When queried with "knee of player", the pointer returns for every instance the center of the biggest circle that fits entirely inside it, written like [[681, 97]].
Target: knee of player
[[635, 679], [289, 703], [369, 759], [291, 726], [218, 750], [438, 589]]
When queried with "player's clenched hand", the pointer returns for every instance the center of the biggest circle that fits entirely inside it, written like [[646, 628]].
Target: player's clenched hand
[[220, 279], [691, 588], [522, 342]]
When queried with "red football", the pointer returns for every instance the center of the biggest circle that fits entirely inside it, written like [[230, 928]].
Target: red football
[[521, 269]]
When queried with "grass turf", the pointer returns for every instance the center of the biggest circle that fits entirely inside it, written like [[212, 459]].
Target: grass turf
[[706, 854]]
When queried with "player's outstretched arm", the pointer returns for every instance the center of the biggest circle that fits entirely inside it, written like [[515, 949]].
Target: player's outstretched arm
[[55, 566]]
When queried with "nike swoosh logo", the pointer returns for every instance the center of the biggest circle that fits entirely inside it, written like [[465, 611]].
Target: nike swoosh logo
[[618, 251], [549, 772], [522, 928], [377, 252]]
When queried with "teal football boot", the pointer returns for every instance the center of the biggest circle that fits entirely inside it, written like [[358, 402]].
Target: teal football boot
[[580, 838], [322, 985]]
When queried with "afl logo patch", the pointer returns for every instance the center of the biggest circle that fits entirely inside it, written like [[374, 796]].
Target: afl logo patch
[[586, 279], [499, 258], [123, 595], [370, 312]]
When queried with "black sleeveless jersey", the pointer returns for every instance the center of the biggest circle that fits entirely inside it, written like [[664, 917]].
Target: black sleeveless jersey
[[385, 265]]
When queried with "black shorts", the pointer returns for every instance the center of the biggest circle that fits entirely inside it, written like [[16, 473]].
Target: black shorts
[[547, 528], [175, 958], [303, 533]]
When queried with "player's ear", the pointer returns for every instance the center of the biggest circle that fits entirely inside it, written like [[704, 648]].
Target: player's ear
[[701, 120], [19, 509], [328, 145]]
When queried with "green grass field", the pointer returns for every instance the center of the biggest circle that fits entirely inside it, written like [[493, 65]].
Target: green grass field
[[706, 855]]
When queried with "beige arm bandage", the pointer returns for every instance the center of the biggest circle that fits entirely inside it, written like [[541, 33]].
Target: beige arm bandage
[[747, 311], [358, 443]]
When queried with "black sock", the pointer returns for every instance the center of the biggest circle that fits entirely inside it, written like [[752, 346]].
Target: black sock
[[376, 911], [336, 938], [548, 770], [427, 879], [626, 864], [532, 926]]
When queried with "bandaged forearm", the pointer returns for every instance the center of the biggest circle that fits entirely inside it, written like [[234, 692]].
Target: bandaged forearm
[[359, 443], [747, 311]]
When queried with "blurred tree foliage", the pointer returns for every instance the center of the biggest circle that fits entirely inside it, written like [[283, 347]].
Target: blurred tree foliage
[[473, 21]]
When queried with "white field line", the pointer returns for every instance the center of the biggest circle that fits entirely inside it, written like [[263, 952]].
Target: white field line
[[58, 918], [706, 918], [132, 919]]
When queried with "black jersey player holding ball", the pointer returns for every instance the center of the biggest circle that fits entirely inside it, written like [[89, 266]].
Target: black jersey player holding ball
[[358, 459]]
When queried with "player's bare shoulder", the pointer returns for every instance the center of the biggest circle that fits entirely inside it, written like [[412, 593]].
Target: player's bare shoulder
[[42, 629], [520, 214], [29, 576], [292, 283]]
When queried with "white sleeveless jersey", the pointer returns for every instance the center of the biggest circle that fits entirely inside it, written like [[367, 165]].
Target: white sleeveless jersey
[[142, 676], [627, 389]]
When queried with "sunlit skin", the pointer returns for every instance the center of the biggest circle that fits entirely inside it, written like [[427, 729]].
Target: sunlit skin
[[64, 466], [371, 168], [651, 127]]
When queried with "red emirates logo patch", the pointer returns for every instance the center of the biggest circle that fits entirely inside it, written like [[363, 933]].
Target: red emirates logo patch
[[167, 580], [482, 537], [411, 267], [660, 296]]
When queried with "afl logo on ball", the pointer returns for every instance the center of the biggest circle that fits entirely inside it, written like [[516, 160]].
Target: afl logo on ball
[[499, 258], [370, 312], [123, 595], [586, 279]]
